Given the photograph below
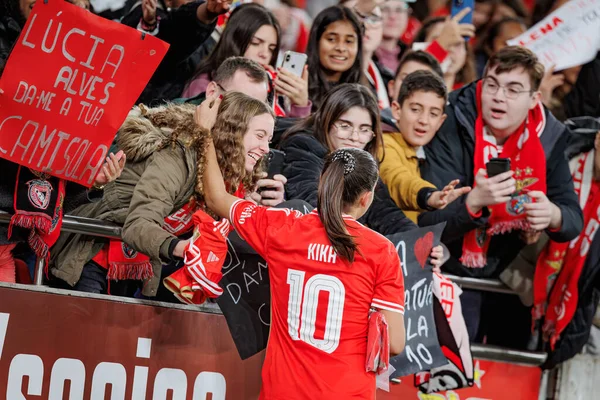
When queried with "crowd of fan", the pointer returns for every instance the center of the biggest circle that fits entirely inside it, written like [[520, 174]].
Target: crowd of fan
[[393, 77]]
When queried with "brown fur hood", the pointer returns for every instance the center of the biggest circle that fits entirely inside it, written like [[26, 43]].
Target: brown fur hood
[[147, 130]]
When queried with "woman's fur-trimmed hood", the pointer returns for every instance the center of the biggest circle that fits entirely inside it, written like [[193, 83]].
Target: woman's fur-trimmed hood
[[147, 130]]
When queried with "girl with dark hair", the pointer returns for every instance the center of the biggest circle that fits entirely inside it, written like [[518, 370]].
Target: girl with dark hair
[[459, 66], [343, 104], [334, 52], [252, 32], [348, 118], [325, 251]]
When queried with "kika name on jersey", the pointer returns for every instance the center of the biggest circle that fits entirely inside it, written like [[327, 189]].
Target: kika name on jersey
[[322, 253]]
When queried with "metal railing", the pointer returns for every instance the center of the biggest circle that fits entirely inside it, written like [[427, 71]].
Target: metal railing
[[93, 227]]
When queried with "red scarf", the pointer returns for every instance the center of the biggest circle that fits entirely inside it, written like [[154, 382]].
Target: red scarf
[[555, 289], [530, 173], [204, 257], [38, 205], [123, 262]]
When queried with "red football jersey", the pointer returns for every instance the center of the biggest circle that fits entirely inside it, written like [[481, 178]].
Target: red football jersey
[[319, 302]]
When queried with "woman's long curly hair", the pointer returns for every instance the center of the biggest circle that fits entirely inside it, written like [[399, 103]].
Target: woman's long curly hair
[[244, 22], [235, 112], [233, 119]]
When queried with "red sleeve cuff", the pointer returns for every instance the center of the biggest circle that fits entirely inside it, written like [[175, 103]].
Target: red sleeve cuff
[[436, 50], [474, 216]]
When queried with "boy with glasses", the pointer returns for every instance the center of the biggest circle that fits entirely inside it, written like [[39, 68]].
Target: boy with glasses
[[500, 116]]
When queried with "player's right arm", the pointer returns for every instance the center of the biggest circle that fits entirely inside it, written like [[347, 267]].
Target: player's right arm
[[396, 330]]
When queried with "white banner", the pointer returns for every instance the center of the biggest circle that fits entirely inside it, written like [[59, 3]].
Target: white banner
[[568, 37]]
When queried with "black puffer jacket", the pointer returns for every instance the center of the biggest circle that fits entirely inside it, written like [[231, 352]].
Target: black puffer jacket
[[304, 160], [180, 28], [450, 156], [9, 33]]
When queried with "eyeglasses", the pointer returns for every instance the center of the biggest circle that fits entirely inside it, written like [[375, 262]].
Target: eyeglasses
[[346, 130], [221, 87], [372, 19], [512, 92]]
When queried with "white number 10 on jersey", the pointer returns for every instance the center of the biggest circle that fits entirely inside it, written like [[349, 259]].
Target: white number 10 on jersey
[[308, 303]]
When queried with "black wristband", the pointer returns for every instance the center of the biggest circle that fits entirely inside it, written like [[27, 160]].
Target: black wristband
[[423, 197]]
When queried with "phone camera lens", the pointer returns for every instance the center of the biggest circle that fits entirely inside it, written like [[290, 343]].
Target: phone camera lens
[[287, 58]]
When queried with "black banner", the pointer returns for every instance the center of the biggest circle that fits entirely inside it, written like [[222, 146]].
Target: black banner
[[422, 350]]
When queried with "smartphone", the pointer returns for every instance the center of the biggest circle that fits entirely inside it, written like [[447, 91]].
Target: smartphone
[[458, 6], [294, 62], [496, 166], [275, 161]]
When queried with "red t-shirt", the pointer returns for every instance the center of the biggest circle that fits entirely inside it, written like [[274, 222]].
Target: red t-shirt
[[319, 302]]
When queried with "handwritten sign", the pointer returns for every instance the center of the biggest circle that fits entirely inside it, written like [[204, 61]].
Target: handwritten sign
[[568, 37], [422, 350], [69, 83], [246, 298]]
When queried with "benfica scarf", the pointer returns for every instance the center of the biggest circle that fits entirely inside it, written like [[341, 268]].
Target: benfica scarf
[[200, 276], [123, 262], [375, 79], [527, 159], [555, 284], [38, 205]]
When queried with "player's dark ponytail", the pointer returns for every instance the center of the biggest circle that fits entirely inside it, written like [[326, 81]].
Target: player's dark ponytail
[[347, 174]]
